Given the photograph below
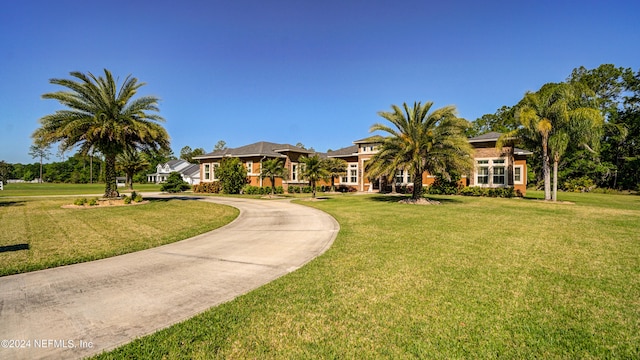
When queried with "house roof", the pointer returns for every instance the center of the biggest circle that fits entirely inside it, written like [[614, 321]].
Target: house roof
[[370, 139], [344, 152], [261, 148], [192, 169], [490, 136]]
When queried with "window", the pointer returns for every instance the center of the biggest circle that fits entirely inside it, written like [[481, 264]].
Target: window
[[294, 172], [491, 172], [353, 173], [498, 175], [517, 174], [207, 171], [249, 167], [351, 177], [399, 176], [483, 175], [215, 167]]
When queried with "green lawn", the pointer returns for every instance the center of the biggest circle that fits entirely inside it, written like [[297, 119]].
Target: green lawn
[[38, 233], [472, 278], [46, 189]]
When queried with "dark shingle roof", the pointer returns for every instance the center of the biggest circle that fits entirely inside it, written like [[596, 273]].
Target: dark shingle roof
[[490, 136], [261, 148], [370, 139], [344, 152]]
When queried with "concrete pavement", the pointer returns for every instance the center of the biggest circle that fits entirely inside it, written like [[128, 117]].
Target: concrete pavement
[[79, 310]]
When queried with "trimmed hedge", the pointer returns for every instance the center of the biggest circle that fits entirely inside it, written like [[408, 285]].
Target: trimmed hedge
[[264, 190], [508, 192], [208, 187]]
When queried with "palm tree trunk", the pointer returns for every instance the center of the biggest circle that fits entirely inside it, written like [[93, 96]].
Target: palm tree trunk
[[110, 190], [273, 185], [313, 189], [555, 179], [130, 180], [417, 185], [333, 187], [545, 168]]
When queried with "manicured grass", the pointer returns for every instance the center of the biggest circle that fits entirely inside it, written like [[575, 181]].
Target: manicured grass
[[472, 278], [37, 233], [46, 189]]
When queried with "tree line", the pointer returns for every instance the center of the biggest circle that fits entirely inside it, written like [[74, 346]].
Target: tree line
[[590, 149]]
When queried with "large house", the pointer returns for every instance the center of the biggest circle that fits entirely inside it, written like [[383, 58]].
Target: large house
[[493, 168], [252, 156], [189, 172]]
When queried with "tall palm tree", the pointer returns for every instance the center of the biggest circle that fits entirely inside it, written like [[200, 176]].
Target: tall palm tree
[[271, 169], [131, 161], [555, 116], [103, 117], [313, 171], [420, 142], [335, 167]]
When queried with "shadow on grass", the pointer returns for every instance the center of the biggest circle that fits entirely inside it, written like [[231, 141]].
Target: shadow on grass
[[396, 198], [16, 247], [11, 203]]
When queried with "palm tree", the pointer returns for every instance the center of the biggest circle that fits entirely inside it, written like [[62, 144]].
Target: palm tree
[[131, 161], [335, 167], [271, 169], [103, 117], [555, 116], [421, 142], [313, 171]]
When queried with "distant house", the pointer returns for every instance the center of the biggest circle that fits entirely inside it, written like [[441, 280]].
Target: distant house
[[252, 156], [492, 167], [189, 172]]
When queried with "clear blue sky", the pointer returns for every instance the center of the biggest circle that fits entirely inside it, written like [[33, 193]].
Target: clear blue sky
[[287, 71]]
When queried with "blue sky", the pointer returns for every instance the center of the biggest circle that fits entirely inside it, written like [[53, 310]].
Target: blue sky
[[315, 72]]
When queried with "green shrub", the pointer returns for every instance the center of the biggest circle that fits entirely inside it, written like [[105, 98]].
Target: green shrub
[[174, 184], [80, 201], [490, 192], [233, 175], [138, 198], [583, 184], [127, 200], [442, 186], [93, 202], [306, 189]]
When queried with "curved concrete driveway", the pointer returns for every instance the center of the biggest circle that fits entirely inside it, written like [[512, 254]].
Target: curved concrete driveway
[[79, 310]]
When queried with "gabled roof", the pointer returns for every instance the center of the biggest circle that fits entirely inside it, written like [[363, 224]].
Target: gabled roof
[[191, 170], [344, 152], [261, 148]]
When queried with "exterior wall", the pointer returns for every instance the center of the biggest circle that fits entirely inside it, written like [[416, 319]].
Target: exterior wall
[[521, 161]]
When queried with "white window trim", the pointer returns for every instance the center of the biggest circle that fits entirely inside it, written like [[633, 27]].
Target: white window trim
[[350, 167], [206, 170], [249, 166], [521, 167], [490, 183]]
